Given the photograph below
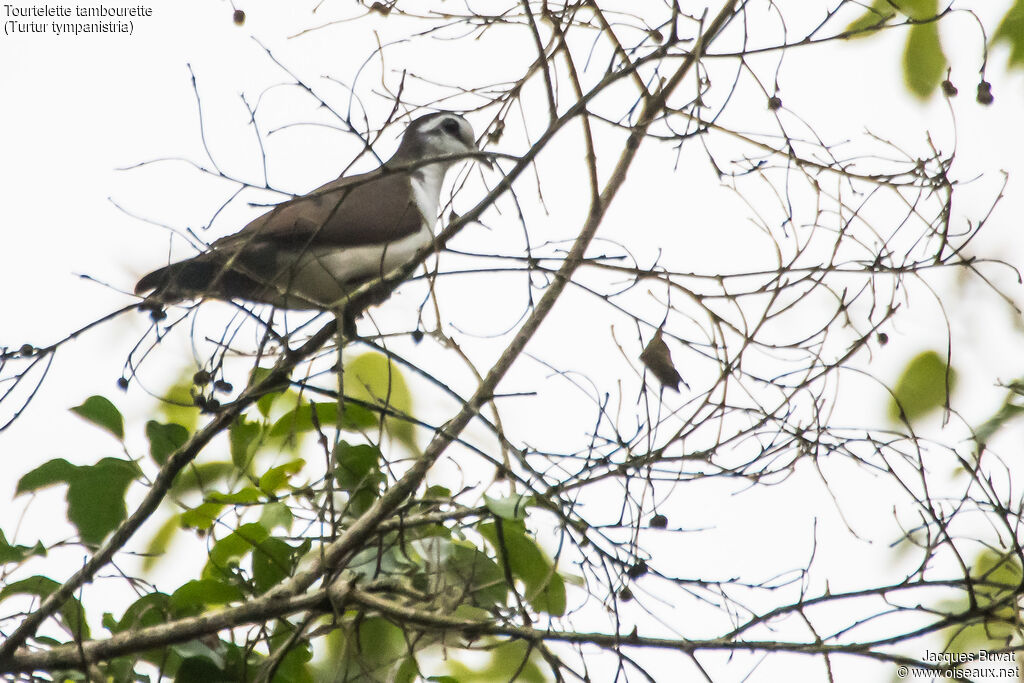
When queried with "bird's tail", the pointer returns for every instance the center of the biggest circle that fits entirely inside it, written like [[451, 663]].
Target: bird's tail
[[177, 281]]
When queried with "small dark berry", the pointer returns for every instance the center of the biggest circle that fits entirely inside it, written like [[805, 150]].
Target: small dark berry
[[201, 378], [656, 35], [637, 570], [774, 103], [238, 17], [659, 521], [212, 405], [26, 350], [625, 595], [157, 314], [222, 386], [380, 8], [883, 339], [948, 89], [122, 383], [417, 336], [985, 93]]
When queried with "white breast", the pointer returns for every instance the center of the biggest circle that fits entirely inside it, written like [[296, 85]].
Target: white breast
[[321, 277], [426, 189], [324, 276]]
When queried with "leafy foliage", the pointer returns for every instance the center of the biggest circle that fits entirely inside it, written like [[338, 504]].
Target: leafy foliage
[[1010, 409], [18, 553], [100, 411], [545, 589], [251, 558], [95, 493], [71, 614], [164, 439], [1011, 32], [373, 378], [923, 58], [998, 579], [922, 387]]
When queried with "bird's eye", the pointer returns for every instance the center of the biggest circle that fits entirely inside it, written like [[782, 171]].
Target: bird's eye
[[451, 126]]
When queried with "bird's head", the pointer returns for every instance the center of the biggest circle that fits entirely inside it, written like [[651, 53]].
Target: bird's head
[[435, 135]]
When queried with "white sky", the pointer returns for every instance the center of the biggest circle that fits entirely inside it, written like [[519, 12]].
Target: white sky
[[75, 109]]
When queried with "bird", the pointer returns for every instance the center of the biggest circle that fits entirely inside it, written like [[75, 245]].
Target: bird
[[309, 252], [658, 359]]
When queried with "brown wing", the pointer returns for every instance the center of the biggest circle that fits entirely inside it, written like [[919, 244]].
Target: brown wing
[[371, 208]]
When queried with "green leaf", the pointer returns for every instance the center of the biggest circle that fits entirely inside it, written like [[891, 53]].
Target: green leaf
[[199, 669], [100, 411], [265, 402], [201, 476], [923, 60], [922, 387], [240, 661], [160, 542], [876, 15], [194, 595], [358, 472], [300, 420], [56, 471], [1007, 412], [228, 551], [119, 669], [276, 515], [243, 440], [95, 493], [407, 671], [17, 553], [437, 491], [202, 516], [149, 610], [512, 508], [999, 578], [277, 478], [246, 496], [378, 645], [373, 378], [509, 660], [355, 464], [294, 667], [177, 405], [1011, 31], [72, 615], [545, 589], [480, 576], [919, 10], [164, 439], [272, 561], [96, 497], [40, 586]]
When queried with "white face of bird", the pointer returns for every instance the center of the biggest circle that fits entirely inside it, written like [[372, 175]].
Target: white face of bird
[[444, 134]]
